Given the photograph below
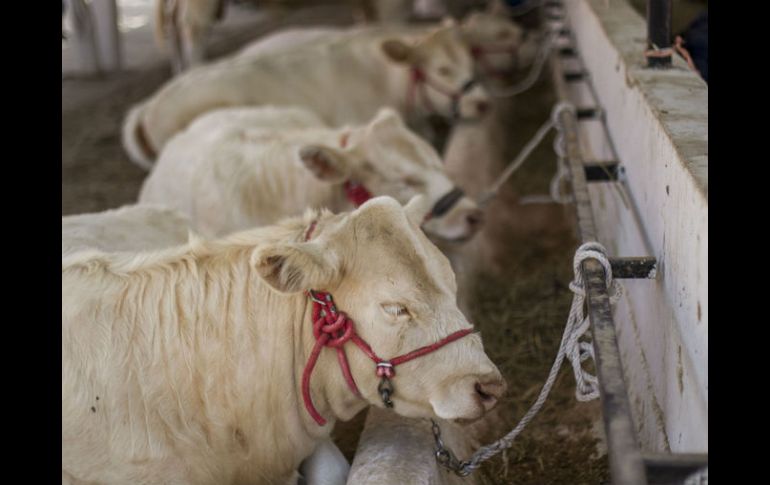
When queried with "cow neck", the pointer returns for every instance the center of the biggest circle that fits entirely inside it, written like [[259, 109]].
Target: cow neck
[[328, 388], [333, 328], [355, 191], [357, 194]]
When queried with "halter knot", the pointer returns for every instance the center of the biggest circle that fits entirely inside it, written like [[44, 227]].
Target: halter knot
[[336, 332]]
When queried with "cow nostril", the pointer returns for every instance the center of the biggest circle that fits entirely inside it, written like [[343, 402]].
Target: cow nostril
[[482, 106], [475, 218], [483, 394]]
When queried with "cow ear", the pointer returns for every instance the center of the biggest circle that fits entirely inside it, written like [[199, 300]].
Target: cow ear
[[417, 208], [326, 163], [293, 268], [448, 21], [398, 51], [386, 123], [387, 115]]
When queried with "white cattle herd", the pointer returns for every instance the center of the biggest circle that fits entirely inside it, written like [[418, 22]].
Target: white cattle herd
[[279, 271]]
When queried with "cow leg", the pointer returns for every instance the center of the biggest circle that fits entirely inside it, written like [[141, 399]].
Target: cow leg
[[326, 466], [194, 45]]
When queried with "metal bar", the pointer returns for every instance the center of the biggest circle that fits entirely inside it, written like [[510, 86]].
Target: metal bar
[[659, 31], [634, 268], [574, 76], [672, 469], [626, 464], [624, 191], [601, 171], [587, 113]]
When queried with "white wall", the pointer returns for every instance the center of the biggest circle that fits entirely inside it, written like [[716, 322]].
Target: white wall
[[658, 120]]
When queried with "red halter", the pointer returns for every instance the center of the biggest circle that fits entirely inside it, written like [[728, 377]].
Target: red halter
[[356, 193], [333, 328]]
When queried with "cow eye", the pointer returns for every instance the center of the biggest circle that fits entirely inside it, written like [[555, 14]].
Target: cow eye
[[414, 182], [445, 71], [396, 310]]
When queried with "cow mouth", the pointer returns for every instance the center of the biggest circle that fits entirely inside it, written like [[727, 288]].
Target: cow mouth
[[454, 240], [459, 239], [468, 421]]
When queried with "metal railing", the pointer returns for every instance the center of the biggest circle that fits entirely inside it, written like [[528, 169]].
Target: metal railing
[[628, 464]]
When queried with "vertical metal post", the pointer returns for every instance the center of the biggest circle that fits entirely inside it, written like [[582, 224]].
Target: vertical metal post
[[659, 31]]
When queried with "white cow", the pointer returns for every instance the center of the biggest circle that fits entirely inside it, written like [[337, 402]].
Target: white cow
[[344, 80], [238, 168], [183, 27], [499, 45], [185, 365]]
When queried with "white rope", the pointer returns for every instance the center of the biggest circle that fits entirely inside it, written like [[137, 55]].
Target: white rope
[[571, 347], [700, 477], [532, 76], [553, 121], [554, 193]]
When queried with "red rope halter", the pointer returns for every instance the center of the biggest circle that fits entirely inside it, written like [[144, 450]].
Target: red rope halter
[[333, 328], [356, 193]]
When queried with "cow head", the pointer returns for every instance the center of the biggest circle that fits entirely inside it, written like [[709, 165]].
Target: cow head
[[498, 45], [443, 73], [400, 291], [389, 159]]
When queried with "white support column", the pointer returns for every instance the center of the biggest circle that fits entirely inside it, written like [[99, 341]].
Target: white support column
[[107, 34], [84, 38]]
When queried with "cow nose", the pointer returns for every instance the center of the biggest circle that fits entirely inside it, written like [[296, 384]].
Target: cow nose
[[482, 107], [489, 392], [475, 218]]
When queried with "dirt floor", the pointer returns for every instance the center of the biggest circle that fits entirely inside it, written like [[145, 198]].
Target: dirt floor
[[520, 310]]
